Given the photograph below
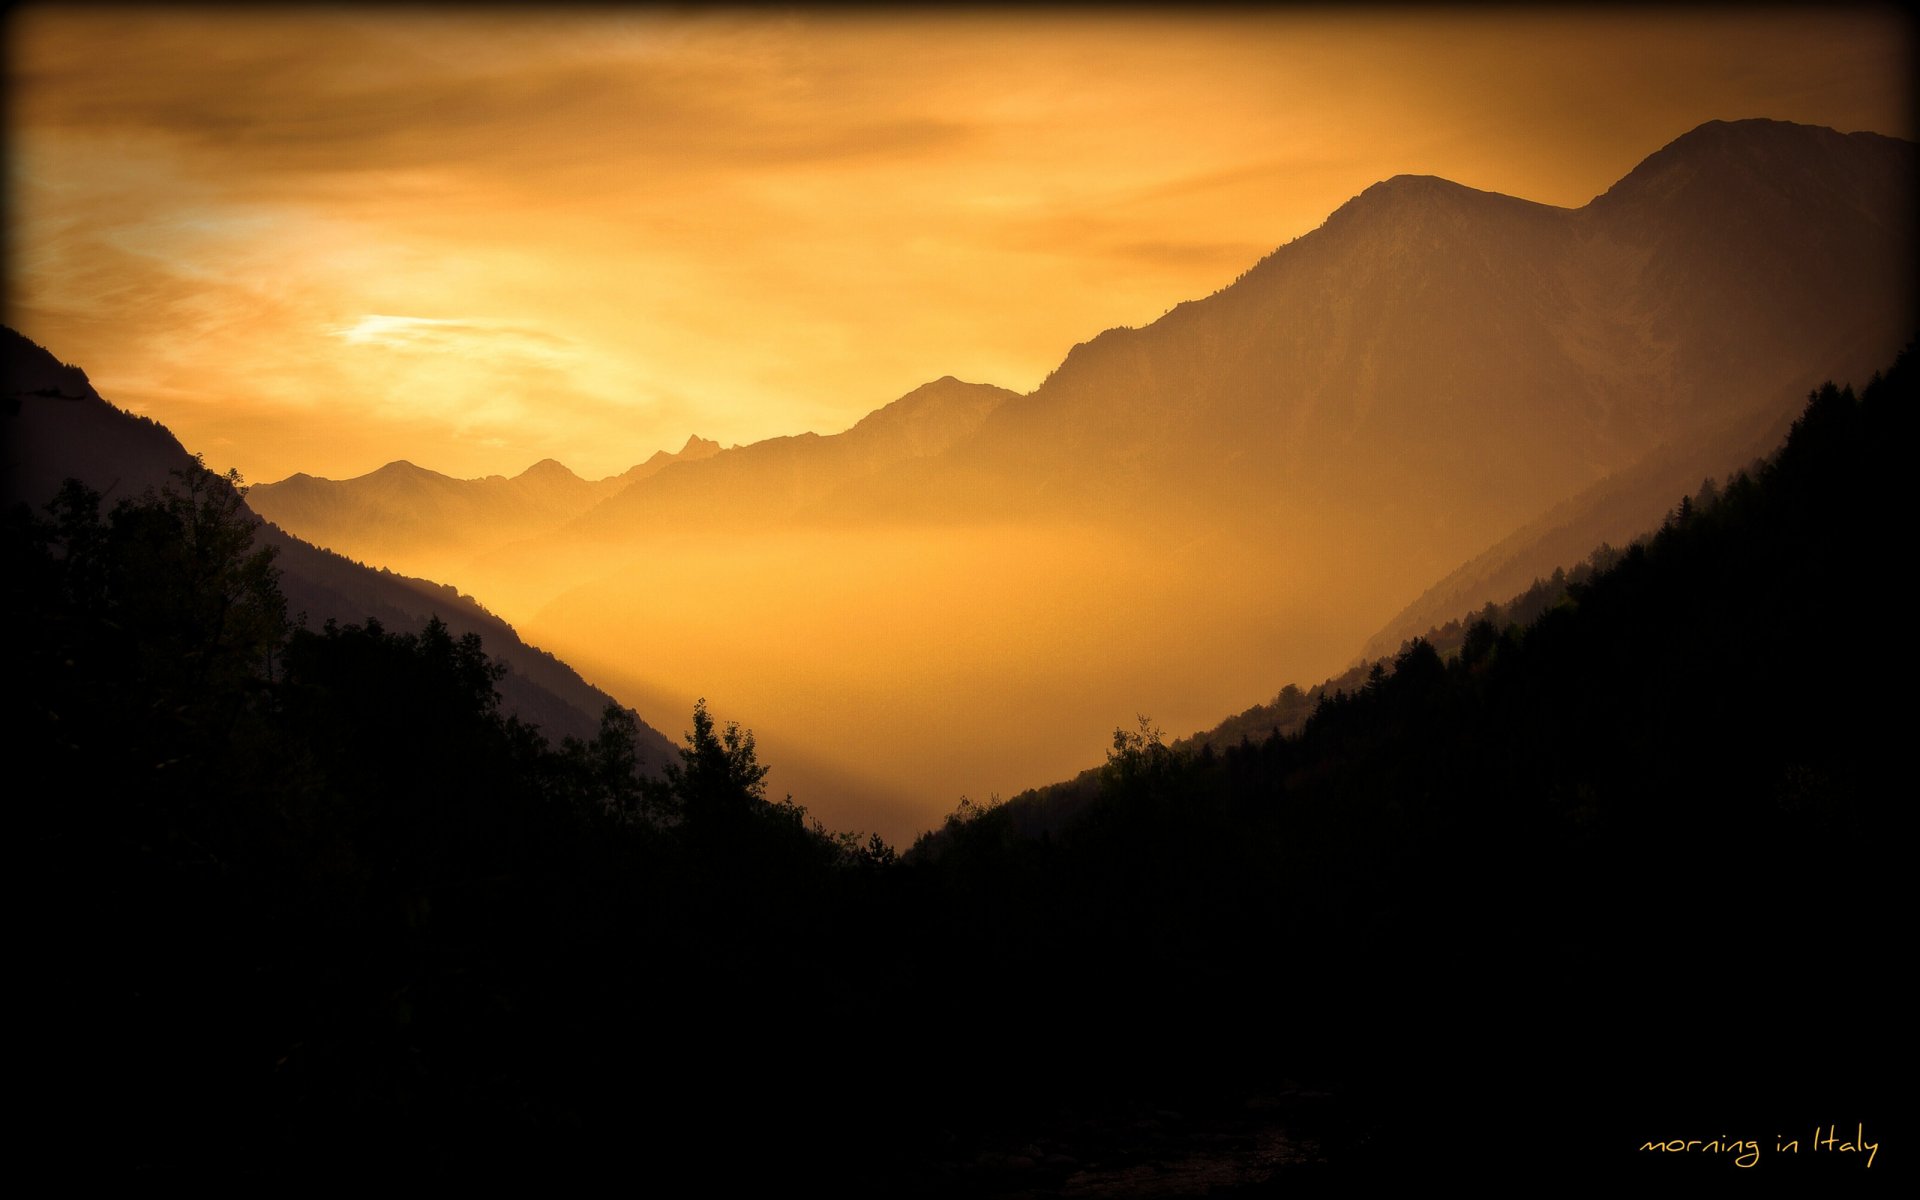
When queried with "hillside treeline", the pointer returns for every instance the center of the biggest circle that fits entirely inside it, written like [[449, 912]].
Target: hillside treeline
[[1613, 871]]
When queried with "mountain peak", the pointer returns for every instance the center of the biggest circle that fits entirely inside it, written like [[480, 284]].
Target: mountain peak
[[547, 468], [698, 447], [949, 389], [401, 469], [1745, 131], [1755, 140], [945, 391], [1402, 192], [1415, 185], [31, 367], [931, 417], [1404, 203], [1756, 155]]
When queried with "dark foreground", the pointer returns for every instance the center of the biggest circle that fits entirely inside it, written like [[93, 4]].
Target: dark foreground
[[303, 903]]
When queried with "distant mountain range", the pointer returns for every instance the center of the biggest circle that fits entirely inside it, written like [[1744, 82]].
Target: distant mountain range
[[974, 587], [410, 518], [58, 426], [403, 514]]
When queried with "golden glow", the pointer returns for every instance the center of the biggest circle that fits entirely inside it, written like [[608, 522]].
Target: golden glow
[[320, 240], [914, 664]]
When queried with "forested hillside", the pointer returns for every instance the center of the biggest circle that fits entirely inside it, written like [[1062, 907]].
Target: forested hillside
[[303, 899], [1598, 863]]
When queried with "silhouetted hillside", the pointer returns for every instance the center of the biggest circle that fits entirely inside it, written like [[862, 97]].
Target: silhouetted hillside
[[1616, 510], [57, 427], [1291, 708], [310, 901]]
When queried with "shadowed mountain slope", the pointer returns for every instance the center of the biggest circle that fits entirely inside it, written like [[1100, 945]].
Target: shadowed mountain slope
[[1620, 508], [1455, 359]]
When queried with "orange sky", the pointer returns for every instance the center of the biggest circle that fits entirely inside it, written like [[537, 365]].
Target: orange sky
[[321, 240]]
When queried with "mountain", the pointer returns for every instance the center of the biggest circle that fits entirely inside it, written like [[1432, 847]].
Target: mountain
[[409, 518], [58, 426], [781, 478], [1620, 508], [696, 449], [1480, 355]]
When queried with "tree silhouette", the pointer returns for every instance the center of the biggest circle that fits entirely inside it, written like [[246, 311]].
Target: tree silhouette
[[610, 764], [718, 781]]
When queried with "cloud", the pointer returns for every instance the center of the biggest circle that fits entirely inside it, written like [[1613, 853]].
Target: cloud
[[455, 336], [272, 98]]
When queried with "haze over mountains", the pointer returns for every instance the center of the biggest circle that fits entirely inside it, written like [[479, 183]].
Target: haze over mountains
[[973, 587], [412, 519], [58, 427]]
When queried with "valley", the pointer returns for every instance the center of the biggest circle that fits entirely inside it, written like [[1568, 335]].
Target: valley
[[1183, 516]]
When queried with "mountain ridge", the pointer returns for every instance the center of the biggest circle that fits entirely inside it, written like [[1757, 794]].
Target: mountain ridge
[[422, 521]]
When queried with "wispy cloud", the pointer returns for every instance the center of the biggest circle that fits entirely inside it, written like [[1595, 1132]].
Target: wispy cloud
[[454, 336]]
